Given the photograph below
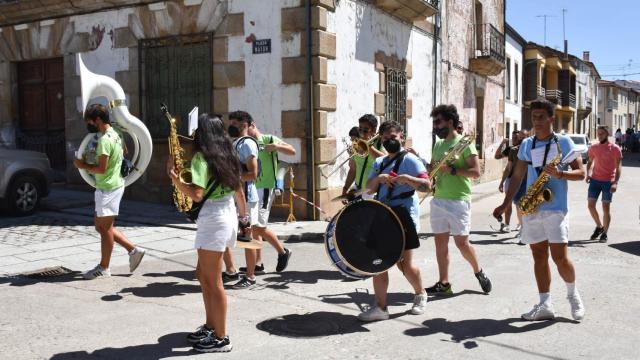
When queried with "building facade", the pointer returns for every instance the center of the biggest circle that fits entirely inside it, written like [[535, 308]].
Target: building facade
[[586, 95], [305, 70], [514, 49], [473, 63], [618, 105], [550, 75]]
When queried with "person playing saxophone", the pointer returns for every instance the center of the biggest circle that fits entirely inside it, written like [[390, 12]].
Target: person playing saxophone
[[545, 224]]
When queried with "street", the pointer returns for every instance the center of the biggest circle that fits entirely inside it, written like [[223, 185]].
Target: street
[[309, 311]]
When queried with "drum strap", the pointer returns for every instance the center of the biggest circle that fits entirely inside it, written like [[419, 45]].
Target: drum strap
[[398, 161]]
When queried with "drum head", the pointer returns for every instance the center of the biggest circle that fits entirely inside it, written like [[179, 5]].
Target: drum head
[[369, 236]]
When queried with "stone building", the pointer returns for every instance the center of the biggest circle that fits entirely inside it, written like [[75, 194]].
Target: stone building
[[618, 104], [305, 69], [473, 60], [514, 45], [586, 95]]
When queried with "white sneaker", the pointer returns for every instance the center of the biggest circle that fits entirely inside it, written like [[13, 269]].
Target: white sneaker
[[419, 304], [505, 229], [540, 312], [373, 314], [96, 272], [577, 308], [135, 258]]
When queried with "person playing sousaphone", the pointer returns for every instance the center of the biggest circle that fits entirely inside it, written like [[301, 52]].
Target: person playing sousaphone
[[360, 167], [394, 179]]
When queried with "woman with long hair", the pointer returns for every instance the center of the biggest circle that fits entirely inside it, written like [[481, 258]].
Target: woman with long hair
[[217, 223]]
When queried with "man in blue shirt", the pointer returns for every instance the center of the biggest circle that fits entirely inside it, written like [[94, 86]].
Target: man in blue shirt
[[395, 184], [247, 148], [547, 229]]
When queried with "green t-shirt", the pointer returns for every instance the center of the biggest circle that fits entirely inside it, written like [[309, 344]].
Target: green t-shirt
[[268, 162], [453, 187], [110, 144], [365, 163], [200, 176]]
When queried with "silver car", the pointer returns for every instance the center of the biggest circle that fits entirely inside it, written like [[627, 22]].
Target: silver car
[[582, 144], [25, 178]]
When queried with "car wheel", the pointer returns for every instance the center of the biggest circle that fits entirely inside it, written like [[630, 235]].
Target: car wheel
[[24, 196]]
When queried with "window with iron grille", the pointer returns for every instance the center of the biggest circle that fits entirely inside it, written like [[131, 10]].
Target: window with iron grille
[[396, 96], [176, 71]]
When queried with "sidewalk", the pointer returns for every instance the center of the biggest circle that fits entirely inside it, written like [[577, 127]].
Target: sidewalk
[[144, 213]]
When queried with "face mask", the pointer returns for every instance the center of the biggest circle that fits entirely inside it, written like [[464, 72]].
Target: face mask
[[233, 131], [92, 128], [441, 132], [392, 145]]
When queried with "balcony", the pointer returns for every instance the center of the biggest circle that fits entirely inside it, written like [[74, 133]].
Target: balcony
[[612, 105], [489, 53], [554, 96], [568, 100], [540, 92], [410, 10], [589, 104]]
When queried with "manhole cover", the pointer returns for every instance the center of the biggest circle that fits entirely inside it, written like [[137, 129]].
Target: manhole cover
[[47, 273], [309, 325]]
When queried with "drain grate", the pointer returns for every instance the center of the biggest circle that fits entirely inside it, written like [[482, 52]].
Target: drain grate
[[47, 273]]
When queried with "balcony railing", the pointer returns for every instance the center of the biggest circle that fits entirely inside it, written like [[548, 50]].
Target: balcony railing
[[589, 104], [613, 104], [491, 43], [488, 59], [540, 91], [554, 96], [569, 101]]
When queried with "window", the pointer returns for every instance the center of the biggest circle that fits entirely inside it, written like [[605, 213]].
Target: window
[[176, 71], [508, 79], [396, 96], [516, 86]]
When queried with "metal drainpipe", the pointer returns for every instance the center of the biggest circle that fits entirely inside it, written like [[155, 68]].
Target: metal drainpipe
[[436, 36], [309, 128]]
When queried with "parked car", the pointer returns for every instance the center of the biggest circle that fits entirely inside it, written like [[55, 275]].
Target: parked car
[[582, 144], [25, 178]]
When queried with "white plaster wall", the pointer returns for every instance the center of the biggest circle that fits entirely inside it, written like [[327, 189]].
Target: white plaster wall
[[361, 31], [513, 108], [264, 96]]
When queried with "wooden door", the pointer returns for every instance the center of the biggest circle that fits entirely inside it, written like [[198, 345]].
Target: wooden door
[[41, 109]]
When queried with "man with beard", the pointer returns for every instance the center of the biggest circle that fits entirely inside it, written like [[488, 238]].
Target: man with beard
[[451, 204], [603, 177]]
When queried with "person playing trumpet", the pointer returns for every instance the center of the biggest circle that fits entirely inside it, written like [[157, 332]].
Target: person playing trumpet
[[360, 167]]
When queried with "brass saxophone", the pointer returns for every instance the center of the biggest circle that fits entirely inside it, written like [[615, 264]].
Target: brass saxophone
[[538, 192], [450, 156], [183, 202]]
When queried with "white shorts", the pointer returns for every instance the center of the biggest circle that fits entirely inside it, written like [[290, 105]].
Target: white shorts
[[217, 225], [450, 216], [108, 201], [264, 209], [551, 225]]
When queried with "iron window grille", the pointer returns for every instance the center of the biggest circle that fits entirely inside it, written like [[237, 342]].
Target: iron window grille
[[396, 96]]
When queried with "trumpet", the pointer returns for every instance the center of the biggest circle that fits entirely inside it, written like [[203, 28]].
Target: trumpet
[[358, 147]]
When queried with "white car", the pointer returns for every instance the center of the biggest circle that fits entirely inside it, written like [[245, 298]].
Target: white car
[[582, 145]]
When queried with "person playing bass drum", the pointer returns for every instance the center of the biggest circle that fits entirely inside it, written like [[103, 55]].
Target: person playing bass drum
[[395, 178]]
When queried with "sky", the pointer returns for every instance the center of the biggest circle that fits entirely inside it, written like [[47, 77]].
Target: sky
[[609, 30]]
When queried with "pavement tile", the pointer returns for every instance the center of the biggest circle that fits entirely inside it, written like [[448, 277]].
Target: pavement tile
[[53, 253], [10, 260], [170, 246]]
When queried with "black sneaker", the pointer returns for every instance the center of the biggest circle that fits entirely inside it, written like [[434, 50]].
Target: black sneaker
[[244, 283], [484, 281], [226, 277], [202, 332], [604, 237], [597, 232], [283, 260], [212, 344], [258, 270], [440, 289]]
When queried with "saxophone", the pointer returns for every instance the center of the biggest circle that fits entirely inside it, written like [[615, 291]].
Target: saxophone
[[538, 192], [183, 202]]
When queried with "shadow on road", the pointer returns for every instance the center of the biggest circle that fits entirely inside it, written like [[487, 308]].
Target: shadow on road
[[155, 290], [189, 275], [317, 324], [283, 279], [48, 275], [631, 247], [361, 298], [475, 328], [163, 349], [446, 297]]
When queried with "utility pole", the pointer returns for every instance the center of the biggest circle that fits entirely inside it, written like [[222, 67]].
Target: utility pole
[[564, 37], [545, 16]]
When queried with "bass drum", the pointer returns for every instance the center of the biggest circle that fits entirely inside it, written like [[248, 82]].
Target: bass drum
[[364, 239]]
